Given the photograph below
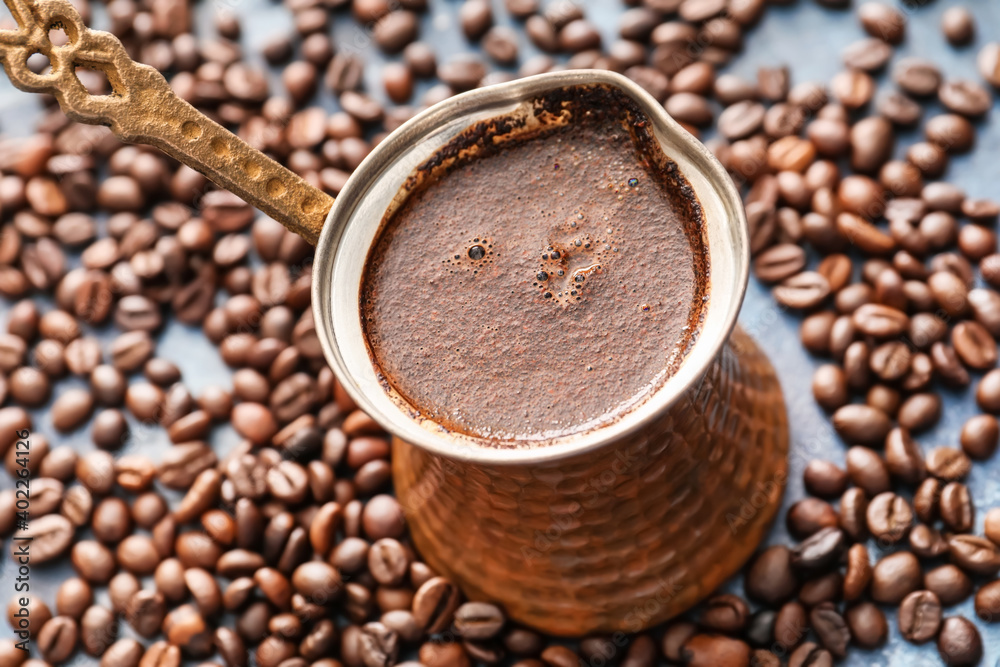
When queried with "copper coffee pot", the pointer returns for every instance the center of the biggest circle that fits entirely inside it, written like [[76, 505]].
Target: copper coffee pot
[[616, 529]]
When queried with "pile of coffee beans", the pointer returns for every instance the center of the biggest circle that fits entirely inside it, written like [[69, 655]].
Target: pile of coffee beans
[[288, 550]]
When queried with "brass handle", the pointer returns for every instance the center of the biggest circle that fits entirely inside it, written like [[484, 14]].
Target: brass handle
[[144, 109]]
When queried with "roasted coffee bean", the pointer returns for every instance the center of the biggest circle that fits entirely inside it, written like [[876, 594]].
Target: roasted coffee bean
[[829, 387], [950, 132], [382, 516], [867, 625], [98, 630], [771, 578], [862, 424], [889, 517], [388, 562], [809, 654], [52, 536], [77, 505], [818, 552], [161, 654], [826, 588], [322, 639], [95, 470], [919, 616], [434, 604], [988, 62], [853, 513], [988, 392], [867, 470], [378, 645], [138, 554], [126, 652], [903, 457], [852, 88], [959, 642], [965, 97], [958, 25], [802, 291], [760, 628], [867, 54], [184, 626], [478, 620], [882, 21], [674, 637], [974, 345], [922, 410], [37, 612], [917, 77], [991, 525], [204, 590], [815, 332], [779, 262], [772, 82], [927, 542], [705, 649], [316, 581], [725, 613], [987, 602], [181, 464], [957, 510], [476, 18], [111, 520], [824, 479], [791, 625], [948, 366], [880, 321], [831, 628], [809, 515], [74, 597], [948, 463], [57, 639], [975, 555], [861, 419], [894, 577], [949, 583], [890, 361], [109, 429], [448, 653]]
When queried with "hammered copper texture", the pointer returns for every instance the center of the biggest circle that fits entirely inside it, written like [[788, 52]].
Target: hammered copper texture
[[142, 108], [621, 538]]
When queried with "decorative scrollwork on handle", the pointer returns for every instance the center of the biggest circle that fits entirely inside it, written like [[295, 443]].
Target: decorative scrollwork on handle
[[142, 108]]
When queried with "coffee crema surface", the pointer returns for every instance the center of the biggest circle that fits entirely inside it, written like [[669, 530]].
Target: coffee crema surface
[[538, 278]]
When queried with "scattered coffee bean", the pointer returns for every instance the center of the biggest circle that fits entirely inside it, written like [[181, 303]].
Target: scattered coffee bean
[[975, 555], [770, 578], [959, 642], [919, 616], [949, 583], [867, 625], [894, 577]]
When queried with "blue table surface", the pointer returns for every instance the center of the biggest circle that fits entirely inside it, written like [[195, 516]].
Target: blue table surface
[[806, 37]]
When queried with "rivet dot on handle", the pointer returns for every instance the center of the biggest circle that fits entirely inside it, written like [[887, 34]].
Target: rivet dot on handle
[[191, 130], [309, 206], [275, 188], [252, 169], [220, 147]]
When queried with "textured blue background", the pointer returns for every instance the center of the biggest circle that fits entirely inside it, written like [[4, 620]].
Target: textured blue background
[[804, 36]]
